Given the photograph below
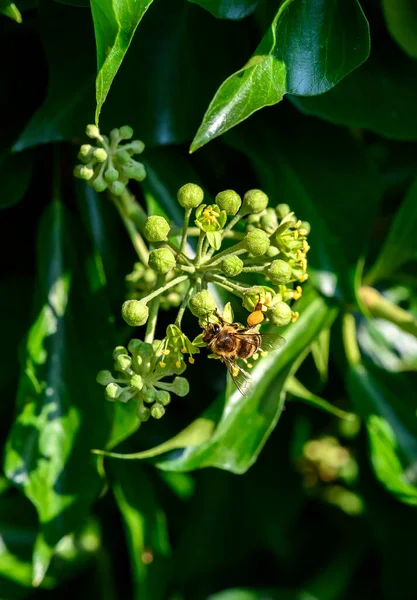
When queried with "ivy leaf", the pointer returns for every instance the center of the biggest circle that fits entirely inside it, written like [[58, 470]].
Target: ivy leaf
[[401, 19], [114, 24], [9, 9], [15, 177], [228, 9], [309, 47]]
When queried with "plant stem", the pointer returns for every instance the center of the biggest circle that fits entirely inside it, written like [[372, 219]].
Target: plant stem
[[180, 255], [353, 354], [382, 308], [236, 250], [241, 289], [197, 259], [228, 289], [232, 223], [135, 237], [187, 215], [133, 209], [255, 268], [184, 304], [195, 232], [153, 311], [162, 289]]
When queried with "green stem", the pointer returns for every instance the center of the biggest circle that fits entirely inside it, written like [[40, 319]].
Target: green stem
[[382, 308], [133, 209], [195, 232], [353, 354], [184, 304], [160, 290], [187, 216], [222, 280], [135, 237], [255, 269], [197, 259], [228, 289], [236, 250], [180, 255], [232, 223], [153, 311]]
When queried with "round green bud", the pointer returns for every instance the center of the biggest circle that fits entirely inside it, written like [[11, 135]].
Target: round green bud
[[118, 351], [104, 377], [254, 201], [85, 172], [137, 146], [136, 382], [229, 201], [180, 386], [156, 229], [231, 266], [202, 304], [123, 362], [256, 242], [134, 346], [256, 293], [162, 260], [149, 394], [281, 314], [100, 154], [126, 132], [85, 152], [135, 313], [143, 413], [92, 131], [113, 391], [111, 175], [190, 195], [149, 276], [139, 172], [269, 221], [117, 188], [125, 396], [147, 350], [306, 226], [157, 411], [122, 156], [114, 136], [272, 251], [99, 184], [163, 397], [280, 272], [282, 210]]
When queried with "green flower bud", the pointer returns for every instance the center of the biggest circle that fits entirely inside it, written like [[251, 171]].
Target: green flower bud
[[157, 411], [99, 184], [85, 172], [122, 156], [231, 266], [118, 351], [111, 175], [123, 362], [210, 218], [281, 314], [136, 382], [258, 294], [135, 313], [282, 210], [143, 413], [280, 272], [202, 304], [162, 260], [92, 131], [85, 152], [113, 391], [306, 226], [163, 397], [180, 386], [149, 394], [269, 221], [100, 154], [229, 201], [254, 201], [117, 188], [126, 132], [272, 251], [125, 396], [134, 346], [104, 377], [256, 242], [137, 146], [190, 195], [156, 229]]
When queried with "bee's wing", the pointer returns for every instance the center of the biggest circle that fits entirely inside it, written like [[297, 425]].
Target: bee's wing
[[240, 377], [269, 341]]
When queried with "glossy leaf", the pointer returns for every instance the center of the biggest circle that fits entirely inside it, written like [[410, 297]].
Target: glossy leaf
[[387, 346], [9, 9], [401, 19], [339, 237], [228, 9], [15, 176], [221, 437], [146, 530], [320, 351], [308, 49], [114, 24], [400, 245], [384, 402], [298, 390]]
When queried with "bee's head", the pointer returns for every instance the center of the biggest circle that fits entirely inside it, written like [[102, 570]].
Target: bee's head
[[210, 332]]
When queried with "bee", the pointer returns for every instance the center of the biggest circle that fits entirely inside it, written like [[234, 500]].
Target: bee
[[232, 342]]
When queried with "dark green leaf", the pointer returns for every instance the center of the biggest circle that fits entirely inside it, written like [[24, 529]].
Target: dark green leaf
[[320, 351], [297, 389], [146, 530], [308, 49], [221, 437], [288, 163], [401, 19], [15, 177], [114, 24], [228, 9], [9, 9], [385, 402], [401, 244]]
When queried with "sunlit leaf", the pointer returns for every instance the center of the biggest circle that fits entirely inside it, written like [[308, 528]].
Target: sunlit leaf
[[9, 9], [228, 9]]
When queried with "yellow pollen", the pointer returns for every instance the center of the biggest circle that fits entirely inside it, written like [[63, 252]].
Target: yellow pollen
[[298, 292], [300, 255], [306, 247], [298, 224], [264, 353], [235, 372], [303, 277], [178, 364], [250, 365], [184, 350], [296, 235], [302, 231], [191, 360], [255, 356], [264, 308], [295, 316], [165, 352], [162, 364]]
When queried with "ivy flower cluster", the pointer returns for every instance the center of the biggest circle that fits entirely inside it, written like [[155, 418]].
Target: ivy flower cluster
[[255, 252]]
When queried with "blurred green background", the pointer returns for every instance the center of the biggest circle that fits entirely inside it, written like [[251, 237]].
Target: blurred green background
[[313, 499]]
